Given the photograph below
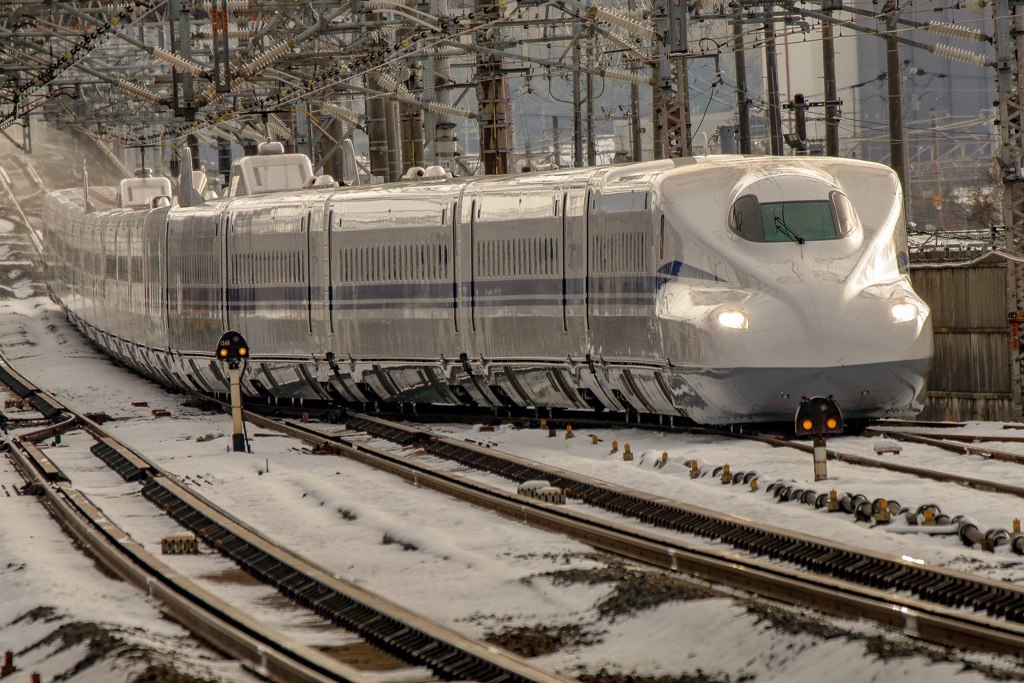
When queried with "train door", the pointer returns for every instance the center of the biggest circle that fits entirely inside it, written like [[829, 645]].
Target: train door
[[463, 262], [223, 224], [575, 260], [318, 260]]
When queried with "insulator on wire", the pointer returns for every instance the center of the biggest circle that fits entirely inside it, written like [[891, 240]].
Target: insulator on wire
[[625, 45], [265, 59], [279, 127], [250, 133], [220, 133], [626, 76], [340, 112], [955, 31], [234, 34], [386, 81], [233, 5], [449, 110], [138, 91], [633, 28], [177, 62], [204, 138], [959, 54], [376, 5], [389, 83]]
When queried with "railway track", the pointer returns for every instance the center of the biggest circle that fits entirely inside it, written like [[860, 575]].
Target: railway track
[[898, 431], [922, 472], [446, 653], [930, 602]]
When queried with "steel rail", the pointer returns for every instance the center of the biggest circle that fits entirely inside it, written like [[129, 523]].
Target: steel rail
[[944, 442], [266, 650], [830, 577], [413, 637], [935, 475]]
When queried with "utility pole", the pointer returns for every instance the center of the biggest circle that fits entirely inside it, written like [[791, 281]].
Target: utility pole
[[180, 22], [492, 94], [894, 75], [674, 103], [591, 134], [443, 133], [772, 67], [556, 142], [936, 169], [1009, 40], [394, 140], [742, 101], [224, 161], [577, 122], [636, 147], [376, 131], [828, 62]]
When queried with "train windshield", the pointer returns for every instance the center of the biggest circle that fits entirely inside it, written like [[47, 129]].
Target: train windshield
[[798, 221]]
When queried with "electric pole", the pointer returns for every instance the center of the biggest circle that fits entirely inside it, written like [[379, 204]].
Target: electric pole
[[936, 169], [591, 134], [742, 101], [577, 122], [772, 67], [1009, 39], [376, 131], [636, 150], [828, 62], [492, 94], [673, 105], [894, 74], [442, 130], [556, 142]]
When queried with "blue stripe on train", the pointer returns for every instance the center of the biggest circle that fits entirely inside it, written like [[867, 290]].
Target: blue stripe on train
[[629, 290]]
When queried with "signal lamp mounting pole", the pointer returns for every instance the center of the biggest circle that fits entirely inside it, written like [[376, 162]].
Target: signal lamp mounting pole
[[818, 417], [233, 350]]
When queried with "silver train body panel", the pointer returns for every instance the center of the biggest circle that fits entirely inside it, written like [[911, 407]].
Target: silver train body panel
[[593, 288]]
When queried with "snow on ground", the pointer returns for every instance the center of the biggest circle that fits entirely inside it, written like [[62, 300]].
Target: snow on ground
[[470, 569], [672, 481]]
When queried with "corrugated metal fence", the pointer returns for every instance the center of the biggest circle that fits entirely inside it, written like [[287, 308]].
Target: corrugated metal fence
[[970, 377]]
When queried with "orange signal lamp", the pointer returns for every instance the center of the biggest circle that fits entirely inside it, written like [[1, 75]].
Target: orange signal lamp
[[223, 352], [241, 351], [808, 425], [832, 424]]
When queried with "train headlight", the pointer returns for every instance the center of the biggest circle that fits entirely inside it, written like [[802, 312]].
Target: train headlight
[[733, 319], [903, 312]]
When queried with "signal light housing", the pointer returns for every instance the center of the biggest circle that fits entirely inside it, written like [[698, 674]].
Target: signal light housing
[[818, 416], [232, 347]]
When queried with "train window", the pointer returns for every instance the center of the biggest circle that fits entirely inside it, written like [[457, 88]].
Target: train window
[[799, 221], [661, 240], [846, 217]]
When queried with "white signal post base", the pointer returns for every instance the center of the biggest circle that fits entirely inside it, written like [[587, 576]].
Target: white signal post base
[[237, 437], [820, 471]]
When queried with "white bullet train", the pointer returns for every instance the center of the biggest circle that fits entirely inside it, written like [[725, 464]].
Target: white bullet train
[[717, 288]]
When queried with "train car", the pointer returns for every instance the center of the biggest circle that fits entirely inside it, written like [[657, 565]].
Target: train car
[[722, 289]]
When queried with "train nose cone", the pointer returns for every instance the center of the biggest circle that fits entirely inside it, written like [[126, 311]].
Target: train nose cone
[[872, 360]]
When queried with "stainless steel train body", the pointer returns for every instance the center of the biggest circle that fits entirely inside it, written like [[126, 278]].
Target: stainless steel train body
[[722, 289]]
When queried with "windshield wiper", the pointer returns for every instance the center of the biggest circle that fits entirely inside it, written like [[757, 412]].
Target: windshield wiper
[[781, 226]]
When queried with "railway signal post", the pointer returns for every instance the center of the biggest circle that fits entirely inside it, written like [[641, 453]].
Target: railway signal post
[[233, 350], [818, 417]]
